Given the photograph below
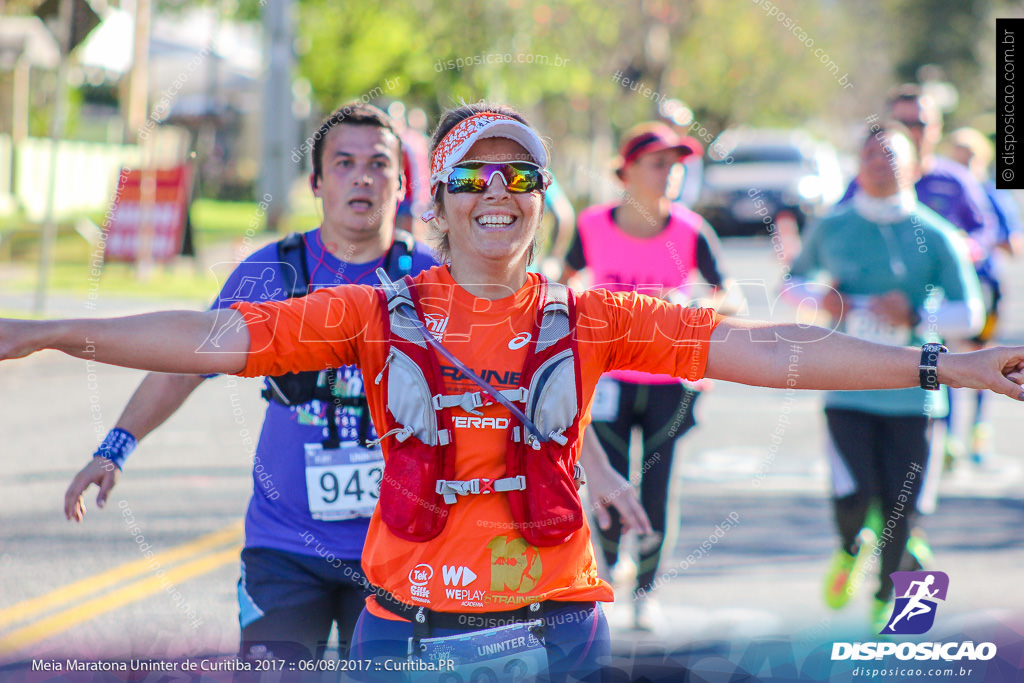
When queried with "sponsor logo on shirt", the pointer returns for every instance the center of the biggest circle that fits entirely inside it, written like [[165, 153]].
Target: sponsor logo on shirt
[[458, 578], [507, 378], [515, 565], [418, 578], [436, 323], [455, 576], [463, 422], [519, 341]]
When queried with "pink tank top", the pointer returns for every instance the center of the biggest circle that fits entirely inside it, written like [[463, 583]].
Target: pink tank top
[[656, 266]]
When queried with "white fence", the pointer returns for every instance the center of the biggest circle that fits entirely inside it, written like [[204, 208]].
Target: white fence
[[87, 172], [86, 175]]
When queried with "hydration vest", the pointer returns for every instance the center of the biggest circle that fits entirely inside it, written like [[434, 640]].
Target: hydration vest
[[298, 388], [541, 473]]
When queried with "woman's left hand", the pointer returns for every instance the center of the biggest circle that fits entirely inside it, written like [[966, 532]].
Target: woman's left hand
[[1000, 369]]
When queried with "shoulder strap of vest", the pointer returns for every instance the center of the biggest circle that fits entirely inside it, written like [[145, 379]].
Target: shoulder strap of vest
[[291, 253], [400, 306], [555, 323]]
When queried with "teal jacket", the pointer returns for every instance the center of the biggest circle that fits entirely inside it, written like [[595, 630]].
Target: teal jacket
[[922, 256]]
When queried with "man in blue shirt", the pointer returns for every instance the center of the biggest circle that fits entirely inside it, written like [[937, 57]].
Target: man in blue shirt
[[314, 480]]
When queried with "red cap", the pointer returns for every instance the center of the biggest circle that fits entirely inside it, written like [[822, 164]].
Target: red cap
[[648, 138]]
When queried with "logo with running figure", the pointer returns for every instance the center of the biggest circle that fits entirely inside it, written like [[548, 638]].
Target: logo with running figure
[[515, 565], [917, 595]]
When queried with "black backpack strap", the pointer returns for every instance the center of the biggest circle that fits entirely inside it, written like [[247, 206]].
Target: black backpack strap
[[301, 387], [293, 388], [291, 253], [398, 263]]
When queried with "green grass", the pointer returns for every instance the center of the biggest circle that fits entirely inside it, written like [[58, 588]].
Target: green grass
[[217, 221], [120, 280]]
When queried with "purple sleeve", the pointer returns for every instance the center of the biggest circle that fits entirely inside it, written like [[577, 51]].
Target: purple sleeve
[[257, 278], [851, 190], [980, 221]]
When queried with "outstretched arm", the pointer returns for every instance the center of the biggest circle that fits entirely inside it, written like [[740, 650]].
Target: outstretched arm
[[156, 399], [803, 357], [189, 342]]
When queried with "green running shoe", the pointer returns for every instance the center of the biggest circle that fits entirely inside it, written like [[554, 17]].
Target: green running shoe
[[954, 451], [981, 443], [881, 612], [846, 572], [917, 546]]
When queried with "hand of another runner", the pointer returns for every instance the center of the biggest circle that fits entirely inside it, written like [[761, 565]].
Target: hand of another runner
[[833, 303], [893, 307], [99, 471]]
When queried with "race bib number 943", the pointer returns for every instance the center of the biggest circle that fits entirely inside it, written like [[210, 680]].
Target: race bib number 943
[[344, 482]]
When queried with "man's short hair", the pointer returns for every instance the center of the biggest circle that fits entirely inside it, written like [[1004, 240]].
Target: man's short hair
[[355, 113], [912, 92], [908, 92]]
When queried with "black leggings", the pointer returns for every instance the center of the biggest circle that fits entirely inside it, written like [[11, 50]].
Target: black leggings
[[663, 412], [882, 458]]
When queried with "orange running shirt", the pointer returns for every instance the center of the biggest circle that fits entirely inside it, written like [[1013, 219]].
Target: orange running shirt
[[479, 563]]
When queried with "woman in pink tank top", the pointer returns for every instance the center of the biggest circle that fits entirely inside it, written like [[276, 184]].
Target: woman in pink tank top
[[647, 243]]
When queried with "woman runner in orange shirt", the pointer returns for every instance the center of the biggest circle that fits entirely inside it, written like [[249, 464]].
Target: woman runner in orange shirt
[[484, 376]]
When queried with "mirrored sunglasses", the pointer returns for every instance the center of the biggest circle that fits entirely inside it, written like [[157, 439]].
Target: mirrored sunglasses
[[475, 176]]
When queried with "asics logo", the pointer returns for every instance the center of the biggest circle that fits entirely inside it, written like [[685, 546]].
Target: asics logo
[[519, 341]]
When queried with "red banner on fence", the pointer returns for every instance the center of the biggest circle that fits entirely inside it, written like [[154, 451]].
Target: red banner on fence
[[149, 216]]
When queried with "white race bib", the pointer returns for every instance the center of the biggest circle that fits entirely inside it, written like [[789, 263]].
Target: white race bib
[[863, 324], [606, 400], [344, 482], [505, 653]]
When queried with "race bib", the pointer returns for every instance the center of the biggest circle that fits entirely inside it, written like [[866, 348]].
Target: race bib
[[606, 400], [344, 482], [505, 653], [863, 324]]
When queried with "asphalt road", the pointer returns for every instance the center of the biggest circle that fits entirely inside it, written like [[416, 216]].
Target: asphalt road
[[89, 590]]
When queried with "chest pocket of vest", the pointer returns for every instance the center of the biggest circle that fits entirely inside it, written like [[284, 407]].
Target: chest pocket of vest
[[409, 400], [551, 402], [549, 508], [409, 503]]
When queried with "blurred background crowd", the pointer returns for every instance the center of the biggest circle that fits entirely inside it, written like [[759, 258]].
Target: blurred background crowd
[[231, 91]]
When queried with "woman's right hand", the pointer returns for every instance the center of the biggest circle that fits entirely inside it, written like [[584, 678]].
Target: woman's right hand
[[100, 471]]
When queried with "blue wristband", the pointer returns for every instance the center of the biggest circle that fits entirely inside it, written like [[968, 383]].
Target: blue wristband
[[116, 448]]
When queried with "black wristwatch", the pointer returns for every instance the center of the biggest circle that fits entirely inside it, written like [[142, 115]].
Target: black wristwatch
[[928, 368]]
